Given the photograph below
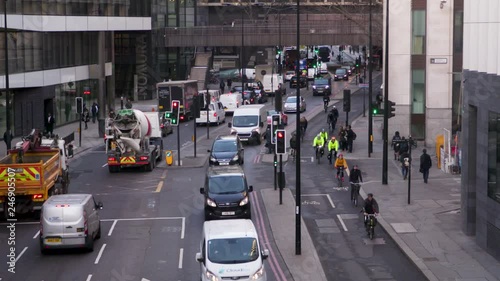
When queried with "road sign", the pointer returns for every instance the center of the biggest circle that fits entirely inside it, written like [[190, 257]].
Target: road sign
[[364, 85]]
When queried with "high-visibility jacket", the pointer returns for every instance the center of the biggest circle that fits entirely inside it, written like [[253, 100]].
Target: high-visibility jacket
[[318, 141], [333, 145], [324, 135]]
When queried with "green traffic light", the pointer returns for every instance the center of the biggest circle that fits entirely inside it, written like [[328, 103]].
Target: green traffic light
[[375, 111]]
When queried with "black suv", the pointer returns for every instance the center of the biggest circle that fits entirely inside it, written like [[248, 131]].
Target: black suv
[[227, 195], [302, 82], [226, 150], [322, 87]]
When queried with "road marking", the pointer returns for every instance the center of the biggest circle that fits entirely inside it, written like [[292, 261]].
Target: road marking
[[342, 222], [306, 202], [100, 254], [181, 255], [183, 227], [21, 254], [144, 279], [164, 175], [312, 159], [104, 165], [89, 277], [142, 219], [159, 187], [327, 196], [112, 227], [36, 234]]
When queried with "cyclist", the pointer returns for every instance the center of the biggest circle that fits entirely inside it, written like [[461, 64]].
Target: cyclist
[[335, 112], [370, 207], [303, 124], [324, 134], [319, 142], [333, 147], [326, 101], [293, 143], [340, 162], [355, 178]]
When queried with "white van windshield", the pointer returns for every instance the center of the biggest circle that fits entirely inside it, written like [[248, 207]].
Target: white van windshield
[[233, 250], [245, 121]]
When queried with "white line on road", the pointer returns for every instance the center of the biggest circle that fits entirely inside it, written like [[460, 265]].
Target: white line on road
[[21, 254], [112, 227], [342, 222], [105, 165], [183, 227], [100, 254], [36, 234], [181, 256], [142, 219], [144, 279], [327, 196], [89, 277], [312, 159]]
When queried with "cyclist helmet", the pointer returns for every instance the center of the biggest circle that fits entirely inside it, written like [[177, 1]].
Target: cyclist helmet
[[323, 130], [341, 155]]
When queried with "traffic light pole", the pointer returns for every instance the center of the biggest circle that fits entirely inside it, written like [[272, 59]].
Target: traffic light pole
[[281, 179], [386, 98], [179, 145], [194, 124], [80, 131], [409, 172], [370, 86], [298, 221], [275, 170]]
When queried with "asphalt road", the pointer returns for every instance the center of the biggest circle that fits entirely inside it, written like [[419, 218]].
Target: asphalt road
[[151, 222]]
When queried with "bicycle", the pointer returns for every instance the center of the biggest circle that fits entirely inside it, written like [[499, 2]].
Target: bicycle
[[302, 133], [340, 176], [325, 105], [371, 221], [293, 154], [355, 186], [319, 153]]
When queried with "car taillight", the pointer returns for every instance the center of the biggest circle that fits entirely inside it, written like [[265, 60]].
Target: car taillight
[[182, 117], [215, 114], [37, 196], [86, 229], [162, 126], [143, 158], [111, 159]]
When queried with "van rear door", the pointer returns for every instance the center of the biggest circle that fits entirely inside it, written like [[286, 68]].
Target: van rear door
[[74, 222], [52, 224]]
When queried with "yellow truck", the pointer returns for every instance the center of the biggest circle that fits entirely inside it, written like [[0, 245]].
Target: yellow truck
[[30, 173]]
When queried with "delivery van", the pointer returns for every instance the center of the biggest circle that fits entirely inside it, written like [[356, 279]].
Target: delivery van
[[230, 250], [216, 114], [272, 83], [249, 123], [231, 101]]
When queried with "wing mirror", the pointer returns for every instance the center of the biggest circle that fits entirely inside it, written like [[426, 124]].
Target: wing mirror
[[199, 257], [208, 150], [265, 254], [99, 205], [202, 190]]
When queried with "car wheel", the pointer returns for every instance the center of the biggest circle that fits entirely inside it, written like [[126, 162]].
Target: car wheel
[[89, 243], [98, 236]]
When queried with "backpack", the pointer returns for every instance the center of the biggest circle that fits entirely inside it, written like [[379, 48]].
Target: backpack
[[354, 135], [403, 147]]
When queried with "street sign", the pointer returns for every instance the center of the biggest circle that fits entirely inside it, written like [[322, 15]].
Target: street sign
[[364, 85]]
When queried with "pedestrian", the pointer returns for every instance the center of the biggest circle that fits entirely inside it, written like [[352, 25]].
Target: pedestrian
[[342, 138], [350, 49], [403, 147], [425, 165], [351, 137], [112, 114], [50, 124], [405, 164], [95, 110], [222, 86], [396, 144], [7, 138], [229, 83], [86, 117]]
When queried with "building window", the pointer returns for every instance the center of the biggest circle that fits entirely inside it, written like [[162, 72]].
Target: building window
[[418, 104], [493, 156], [418, 32]]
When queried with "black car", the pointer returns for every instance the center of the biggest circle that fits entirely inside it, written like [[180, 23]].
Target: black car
[[322, 87], [341, 74], [261, 96], [250, 97], [302, 82], [227, 194], [226, 150]]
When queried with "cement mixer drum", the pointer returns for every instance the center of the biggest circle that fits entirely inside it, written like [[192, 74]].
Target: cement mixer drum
[[132, 122]]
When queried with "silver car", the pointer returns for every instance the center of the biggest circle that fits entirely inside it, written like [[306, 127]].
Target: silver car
[[291, 104]]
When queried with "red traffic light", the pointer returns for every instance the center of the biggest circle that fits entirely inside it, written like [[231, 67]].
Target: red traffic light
[[175, 104], [281, 135]]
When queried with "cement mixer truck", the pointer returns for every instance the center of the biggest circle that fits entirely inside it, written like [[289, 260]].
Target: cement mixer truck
[[136, 140]]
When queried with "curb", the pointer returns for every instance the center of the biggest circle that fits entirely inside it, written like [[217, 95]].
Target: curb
[[403, 246]]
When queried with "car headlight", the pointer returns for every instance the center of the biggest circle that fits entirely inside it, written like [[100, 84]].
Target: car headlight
[[258, 274], [235, 157], [212, 159], [244, 201], [211, 203], [327, 87], [233, 132], [210, 276], [314, 86], [335, 76]]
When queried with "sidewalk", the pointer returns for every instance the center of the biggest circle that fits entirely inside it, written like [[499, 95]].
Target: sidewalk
[[428, 230]]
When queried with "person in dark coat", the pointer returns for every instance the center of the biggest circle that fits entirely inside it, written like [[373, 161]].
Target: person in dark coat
[[7, 138], [95, 110], [425, 165], [86, 117], [222, 86], [50, 124], [229, 83], [350, 136]]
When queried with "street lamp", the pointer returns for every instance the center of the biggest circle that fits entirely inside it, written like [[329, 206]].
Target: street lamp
[[370, 86], [298, 244], [7, 90], [242, 53]]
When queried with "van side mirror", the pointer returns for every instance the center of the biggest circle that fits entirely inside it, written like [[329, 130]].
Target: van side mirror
[[208, 150], [99, 205], [199, 257], [250, 188], [261, 124], [202, 190], [265, 254], [229, 124]]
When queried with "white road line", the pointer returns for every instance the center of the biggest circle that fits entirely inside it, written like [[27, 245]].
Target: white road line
[[312, 159], [105, 165], [89, 277], [144, 279], [36, 234], [183, 227], [142, 219], [21, 254], [181, 256], [100, 254], [342, 222], [331, 201], [112, 227]]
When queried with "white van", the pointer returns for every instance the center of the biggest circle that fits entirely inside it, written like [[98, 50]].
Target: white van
[[214, 95], [249, 123], [271, 83], [231, 101], [69, 221], [216, 114], [230, 250]]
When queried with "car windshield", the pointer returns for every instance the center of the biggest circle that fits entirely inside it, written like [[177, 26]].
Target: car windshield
[[226, 184], [233, 250], [340, 71], [271, 112], [291, 100], [245, 121], [321, 82], [224, 146], [323, 50]]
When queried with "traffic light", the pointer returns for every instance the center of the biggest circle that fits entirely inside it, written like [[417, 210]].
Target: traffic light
[[347, 100], [275, 122], [175, 113], [279, 51], [392, 109], [79, 105], [280, 142], [316, 50]]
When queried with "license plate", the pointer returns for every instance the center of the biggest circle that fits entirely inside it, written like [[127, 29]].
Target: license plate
[[53, 240], [223, 163], [228, 213]]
